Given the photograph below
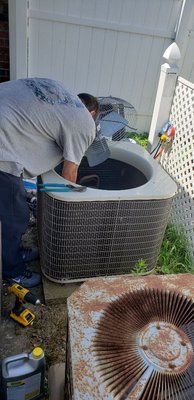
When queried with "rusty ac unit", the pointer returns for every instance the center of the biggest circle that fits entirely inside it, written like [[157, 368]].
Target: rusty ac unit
[[132, 338]]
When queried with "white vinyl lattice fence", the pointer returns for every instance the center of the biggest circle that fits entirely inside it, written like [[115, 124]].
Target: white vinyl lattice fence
[[179, 161]]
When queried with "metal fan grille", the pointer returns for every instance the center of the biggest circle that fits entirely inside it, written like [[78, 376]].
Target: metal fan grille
[[144, 346], [116, 117]]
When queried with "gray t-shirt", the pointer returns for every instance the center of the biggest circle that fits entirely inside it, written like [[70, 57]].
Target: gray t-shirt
[[41, 124]]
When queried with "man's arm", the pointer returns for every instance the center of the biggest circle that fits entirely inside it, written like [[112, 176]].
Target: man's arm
[[69, 171]]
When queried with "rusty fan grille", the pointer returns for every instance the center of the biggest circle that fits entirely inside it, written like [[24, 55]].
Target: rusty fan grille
[[144, 346]]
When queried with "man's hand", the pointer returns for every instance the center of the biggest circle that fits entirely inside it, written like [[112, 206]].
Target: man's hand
[[69, 171]]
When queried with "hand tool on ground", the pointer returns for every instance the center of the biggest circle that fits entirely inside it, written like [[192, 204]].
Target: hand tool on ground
[[60, 187], [19, 313]]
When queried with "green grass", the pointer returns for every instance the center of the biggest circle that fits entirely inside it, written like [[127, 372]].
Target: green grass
[[140, 138], [174, 254], [174, 257]]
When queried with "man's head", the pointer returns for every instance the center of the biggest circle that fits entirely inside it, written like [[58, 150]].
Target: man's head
[[91, 103], [98, 151]]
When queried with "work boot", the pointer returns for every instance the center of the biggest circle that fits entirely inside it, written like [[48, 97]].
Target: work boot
[[29, 254], [28, 279]]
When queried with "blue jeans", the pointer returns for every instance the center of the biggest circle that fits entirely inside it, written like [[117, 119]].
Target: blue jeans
[[14, 217]]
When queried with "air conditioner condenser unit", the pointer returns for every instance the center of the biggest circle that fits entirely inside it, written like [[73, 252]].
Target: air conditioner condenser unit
[[119, 219]]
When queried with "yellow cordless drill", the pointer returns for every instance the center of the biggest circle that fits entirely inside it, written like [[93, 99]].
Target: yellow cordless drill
[[20, 313]]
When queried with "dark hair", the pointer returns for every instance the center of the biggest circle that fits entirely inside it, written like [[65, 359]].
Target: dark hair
[[89, 101]]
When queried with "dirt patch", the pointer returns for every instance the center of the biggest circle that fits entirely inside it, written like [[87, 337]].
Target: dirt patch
[[49, 328], [49, 332]]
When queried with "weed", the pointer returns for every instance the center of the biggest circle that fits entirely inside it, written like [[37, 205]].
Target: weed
[[141, 267]]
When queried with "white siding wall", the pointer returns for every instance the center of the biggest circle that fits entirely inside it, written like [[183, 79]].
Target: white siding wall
[[103, 46], [187, 69]]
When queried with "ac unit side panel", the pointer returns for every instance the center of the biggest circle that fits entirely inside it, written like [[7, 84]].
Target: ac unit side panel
[[83, 240]]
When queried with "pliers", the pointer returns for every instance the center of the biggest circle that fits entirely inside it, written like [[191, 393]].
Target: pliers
[[60, 187]]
